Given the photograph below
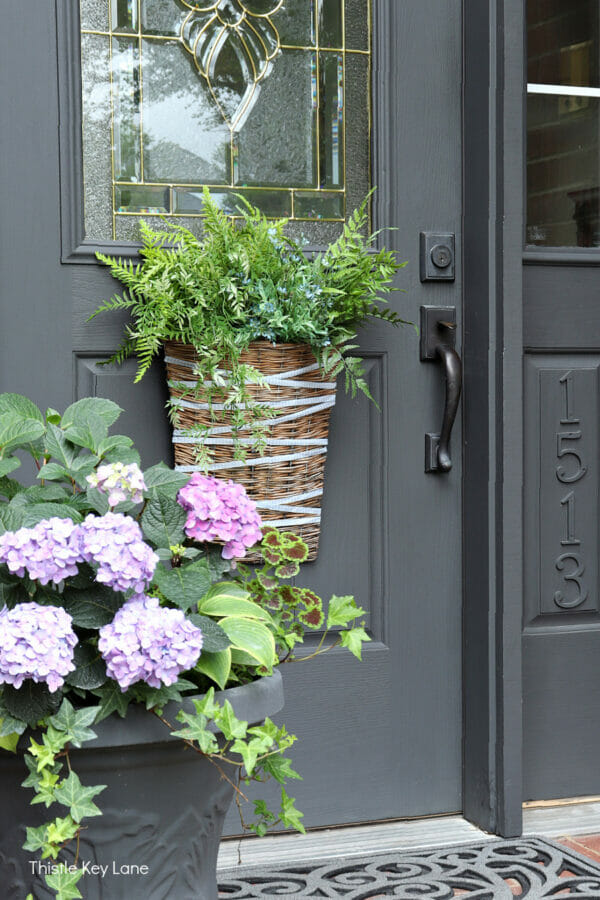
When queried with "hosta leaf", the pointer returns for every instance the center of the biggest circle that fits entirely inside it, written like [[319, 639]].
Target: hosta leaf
[[31, 702], [90, 669], [216, 666], [184, 585], [252, 637], [214, 637], [92, 606], [224, 604], [163, 521]]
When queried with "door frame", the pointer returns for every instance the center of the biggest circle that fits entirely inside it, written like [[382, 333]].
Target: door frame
[[493, 148]]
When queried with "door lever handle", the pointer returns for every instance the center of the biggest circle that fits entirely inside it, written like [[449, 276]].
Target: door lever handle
[[438, 326]]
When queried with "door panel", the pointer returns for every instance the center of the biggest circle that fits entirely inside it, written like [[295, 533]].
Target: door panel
[[377, 740]]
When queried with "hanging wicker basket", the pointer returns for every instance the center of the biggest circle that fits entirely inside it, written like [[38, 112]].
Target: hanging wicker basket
[[286, 478]]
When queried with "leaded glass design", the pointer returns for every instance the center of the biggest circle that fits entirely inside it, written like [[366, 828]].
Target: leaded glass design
[[264, 98]]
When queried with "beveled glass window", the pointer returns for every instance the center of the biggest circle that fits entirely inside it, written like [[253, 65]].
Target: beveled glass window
[[563, 123], [257, 97]]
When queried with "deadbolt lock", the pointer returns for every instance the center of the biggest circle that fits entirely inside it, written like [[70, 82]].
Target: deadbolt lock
[[437, 256]]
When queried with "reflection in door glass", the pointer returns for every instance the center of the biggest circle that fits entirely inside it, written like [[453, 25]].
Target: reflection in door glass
[[265, 98], [563, 123]]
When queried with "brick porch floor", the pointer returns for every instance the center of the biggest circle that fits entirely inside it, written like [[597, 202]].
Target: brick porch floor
[[585, 844]]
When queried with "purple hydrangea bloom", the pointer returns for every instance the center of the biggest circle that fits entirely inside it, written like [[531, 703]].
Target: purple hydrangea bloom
[[36, 642], [114, 544], [47, 552], [220, 511], [148, 642], [121, 482]]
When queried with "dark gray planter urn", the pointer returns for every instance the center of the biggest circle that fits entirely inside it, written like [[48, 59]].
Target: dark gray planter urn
[[163, 809]]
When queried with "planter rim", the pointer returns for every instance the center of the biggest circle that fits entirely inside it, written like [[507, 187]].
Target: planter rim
[[251, 702]]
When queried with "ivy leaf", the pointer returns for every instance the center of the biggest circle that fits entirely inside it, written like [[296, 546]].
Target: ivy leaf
[[31, 702], [354, 639], [291, 816], [72, 794], [163, 521], [92, 607], [36, 838], [157, 698], [279, 767], [214, 638], [74, 723], [342, 610], [90, 671], [9, 741], [249, 753], [196, 730], [184, 585], [112, 699], [64, 882], [230, 725]]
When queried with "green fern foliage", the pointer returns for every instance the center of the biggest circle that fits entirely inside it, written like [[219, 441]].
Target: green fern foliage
[[245, 281]]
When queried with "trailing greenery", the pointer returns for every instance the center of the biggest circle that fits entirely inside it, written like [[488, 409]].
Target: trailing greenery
[[248, 281], [250, 622]]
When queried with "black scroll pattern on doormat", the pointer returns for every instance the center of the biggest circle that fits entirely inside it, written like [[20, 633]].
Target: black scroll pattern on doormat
[[529, 868]]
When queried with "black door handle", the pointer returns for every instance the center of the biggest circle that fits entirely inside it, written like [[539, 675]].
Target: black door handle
[[438, 326], [453, 370]]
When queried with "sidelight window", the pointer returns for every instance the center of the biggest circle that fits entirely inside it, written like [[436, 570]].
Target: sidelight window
[[563, 123]]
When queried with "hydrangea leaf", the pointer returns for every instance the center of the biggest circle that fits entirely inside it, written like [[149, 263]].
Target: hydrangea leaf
[[20, 406], [215, 638], [78, 797], [163, 521], [10, 488], [46, 493], [39, 511], [64, 882], [184, 584], [342, 610], [90, 671], [216, 666], [75, 723], [252, 637], [16, 431], [52, 472], [160, 479], [9, 724], [9, 465], [93, 606], [59, 447], [31, 702], [89, 411], [114, 442]]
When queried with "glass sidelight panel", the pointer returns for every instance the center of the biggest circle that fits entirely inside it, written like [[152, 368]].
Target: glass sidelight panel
[[263, 97], [563, 123]]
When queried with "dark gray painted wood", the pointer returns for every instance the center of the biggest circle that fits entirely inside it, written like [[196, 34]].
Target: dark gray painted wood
[[378, 740], [493, 129], [561, 307]]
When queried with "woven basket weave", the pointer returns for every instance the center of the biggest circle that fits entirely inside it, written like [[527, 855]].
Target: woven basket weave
[[286, 479]]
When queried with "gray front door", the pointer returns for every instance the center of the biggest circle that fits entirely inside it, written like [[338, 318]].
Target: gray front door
[[561, 650], [377, 740]]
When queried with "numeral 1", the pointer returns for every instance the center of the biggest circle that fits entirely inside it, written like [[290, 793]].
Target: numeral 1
[[567, 380], [569, 503]]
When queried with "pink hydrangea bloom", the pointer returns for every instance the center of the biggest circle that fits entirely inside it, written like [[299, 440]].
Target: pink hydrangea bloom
[[220, 511], [36, 642], [148, 642]]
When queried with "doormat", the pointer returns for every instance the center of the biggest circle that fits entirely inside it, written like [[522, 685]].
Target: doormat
[[526, 867]]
